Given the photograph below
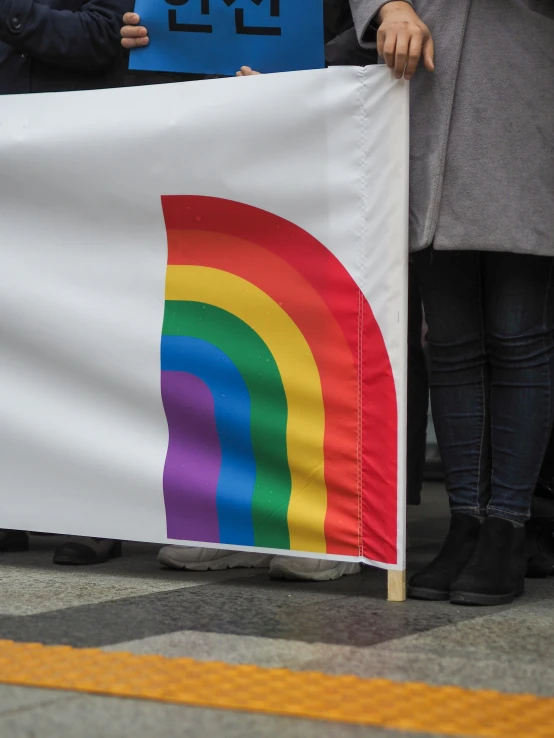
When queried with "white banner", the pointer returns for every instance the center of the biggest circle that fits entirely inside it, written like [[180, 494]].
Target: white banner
[[203, 313]]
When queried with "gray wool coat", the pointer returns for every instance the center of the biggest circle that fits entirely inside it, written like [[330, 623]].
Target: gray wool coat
[[482, 126]]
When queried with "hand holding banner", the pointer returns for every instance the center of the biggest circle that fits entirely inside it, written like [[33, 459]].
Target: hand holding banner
[[220, 36]]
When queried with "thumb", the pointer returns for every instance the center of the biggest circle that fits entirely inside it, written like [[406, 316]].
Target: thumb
[[429, 54]]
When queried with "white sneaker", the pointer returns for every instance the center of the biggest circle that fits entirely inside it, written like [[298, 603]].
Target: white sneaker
[[310, 570], [210, 559]]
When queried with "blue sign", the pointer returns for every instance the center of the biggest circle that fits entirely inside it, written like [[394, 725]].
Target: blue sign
[[221, 36]]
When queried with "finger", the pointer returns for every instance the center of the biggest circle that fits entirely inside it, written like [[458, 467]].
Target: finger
[[381, 37], [389, 49], [401, 55], [249, 72], [134, 43], [414, 55], [133, 32], [131, 19], [429, 54], [239, 74]]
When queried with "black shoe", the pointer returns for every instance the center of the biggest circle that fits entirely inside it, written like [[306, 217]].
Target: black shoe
[[539, 544], [495, 575], [13, 540], [433, 582], [79, 551]]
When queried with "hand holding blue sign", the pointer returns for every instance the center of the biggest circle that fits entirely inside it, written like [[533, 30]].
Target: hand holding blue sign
[[218, 36], [133, 35]]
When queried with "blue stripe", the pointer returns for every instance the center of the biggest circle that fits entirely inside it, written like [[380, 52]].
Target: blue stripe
[[235, 489]]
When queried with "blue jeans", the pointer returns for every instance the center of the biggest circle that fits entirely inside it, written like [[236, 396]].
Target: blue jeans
[[490, 320]]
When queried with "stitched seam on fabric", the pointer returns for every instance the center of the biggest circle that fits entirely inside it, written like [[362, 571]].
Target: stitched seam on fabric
[[508, 514], [361, 79], [361, 430]]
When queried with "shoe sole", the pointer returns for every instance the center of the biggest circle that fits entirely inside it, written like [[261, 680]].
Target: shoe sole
[[474, 598], [72, 561], [432, 595], [290, 575], [17, 548], [235, 561], [69, 561], [63, 559]]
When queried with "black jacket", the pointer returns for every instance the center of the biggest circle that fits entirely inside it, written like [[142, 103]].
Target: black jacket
[[60, 45]]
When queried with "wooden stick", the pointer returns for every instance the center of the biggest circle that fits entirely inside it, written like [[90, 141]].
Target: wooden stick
[[396, 586]]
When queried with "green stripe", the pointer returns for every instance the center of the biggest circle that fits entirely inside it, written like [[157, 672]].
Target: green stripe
[[268, 424]]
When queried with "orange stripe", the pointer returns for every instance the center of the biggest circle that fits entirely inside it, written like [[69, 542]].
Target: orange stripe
[[347, 699]]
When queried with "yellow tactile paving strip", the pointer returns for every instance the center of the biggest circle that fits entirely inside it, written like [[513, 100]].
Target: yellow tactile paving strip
[[348, 699]]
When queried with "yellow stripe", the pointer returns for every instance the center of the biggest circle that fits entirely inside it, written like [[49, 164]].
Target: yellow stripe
[[348, 699], [301, 381]]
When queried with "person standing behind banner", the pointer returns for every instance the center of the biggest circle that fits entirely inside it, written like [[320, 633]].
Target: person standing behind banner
[[341, 48], [59, 46], [481, 229]]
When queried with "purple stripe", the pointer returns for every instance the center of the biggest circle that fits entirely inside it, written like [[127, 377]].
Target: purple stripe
[[193, 461]]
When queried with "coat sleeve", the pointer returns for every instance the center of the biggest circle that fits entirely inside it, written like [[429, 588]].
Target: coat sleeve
[[363, 13], [87, 39]]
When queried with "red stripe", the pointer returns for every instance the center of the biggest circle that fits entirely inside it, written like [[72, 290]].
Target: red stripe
[[353, 364], [380, 445]]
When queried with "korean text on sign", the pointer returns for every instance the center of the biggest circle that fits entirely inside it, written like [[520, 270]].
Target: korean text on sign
[[220, 36]]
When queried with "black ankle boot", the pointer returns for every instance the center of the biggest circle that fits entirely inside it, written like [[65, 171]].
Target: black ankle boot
[[495, 574], [79, 551], [539, 543], [13, 540], [433, 582]]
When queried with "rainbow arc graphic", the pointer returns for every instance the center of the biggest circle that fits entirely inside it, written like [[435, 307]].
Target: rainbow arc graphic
[[277, 389]]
